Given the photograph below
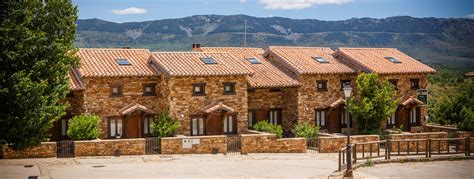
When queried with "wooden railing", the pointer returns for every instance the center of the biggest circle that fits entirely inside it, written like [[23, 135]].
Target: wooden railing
[[386, 149]]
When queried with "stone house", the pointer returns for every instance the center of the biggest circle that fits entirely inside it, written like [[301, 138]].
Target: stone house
[[408, 75], [205, 91], [119, 86], [319, 98], [271, 89]]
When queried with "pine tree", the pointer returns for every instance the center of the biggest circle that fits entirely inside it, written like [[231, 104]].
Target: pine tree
[[36, 39]]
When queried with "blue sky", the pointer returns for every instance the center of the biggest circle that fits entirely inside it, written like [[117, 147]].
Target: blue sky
[[143, 10]]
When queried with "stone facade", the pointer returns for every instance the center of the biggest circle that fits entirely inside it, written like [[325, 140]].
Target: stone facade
[[98, 101], [286, 100], [109, 147], [44, 150], [268, 143], [205, 145], [334, 143], [395, 146], [183, 104]]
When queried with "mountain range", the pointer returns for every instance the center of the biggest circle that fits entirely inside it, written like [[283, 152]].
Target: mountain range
[[435, 41]]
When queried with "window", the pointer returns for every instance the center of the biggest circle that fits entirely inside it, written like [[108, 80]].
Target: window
[[275, 117], [251, 119], [320, 60], [199, 89], [393, 82], [253, 60], [229, 124], [343, 117], [147, 122], [115, 128], [149, 89], [274, 90], [116, 90], [415, 84], [391, 120], [321, 118], [197, 124], [122, 61], [345, 83], [64, 126], [229, 88], [393, 60], [414, 115], [208, 61], [250, 90], [322, 85]]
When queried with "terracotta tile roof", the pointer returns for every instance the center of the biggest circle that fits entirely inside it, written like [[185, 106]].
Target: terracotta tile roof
[[216, 106], [374, 60], [190, 64], [469, 73], [300, 60], [133, 107], [75, 83], [406, 100], [101, 62], [266, 74]]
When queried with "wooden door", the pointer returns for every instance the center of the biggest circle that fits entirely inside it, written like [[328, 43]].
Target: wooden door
[[214, 124], [334, 121], [133, 126]]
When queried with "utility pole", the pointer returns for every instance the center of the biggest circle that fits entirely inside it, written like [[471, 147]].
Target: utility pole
[[245, 33]]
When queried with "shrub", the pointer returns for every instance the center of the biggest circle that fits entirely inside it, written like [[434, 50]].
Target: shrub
[[164, 125], [264, 126], [84, 127], [305, 130]]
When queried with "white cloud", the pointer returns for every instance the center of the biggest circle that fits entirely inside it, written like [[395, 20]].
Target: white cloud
[[130, 10], [470, 16], [298, 4], [243, 1]]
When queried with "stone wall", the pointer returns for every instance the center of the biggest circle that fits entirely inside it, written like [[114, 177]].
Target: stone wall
[[260, 142], [44, 150], [334, 143], [263, 99], [97, 99], [201, 145], [466, 134], [421, 144], [183, 103], [108, 147], [438, 128], [309, 98]]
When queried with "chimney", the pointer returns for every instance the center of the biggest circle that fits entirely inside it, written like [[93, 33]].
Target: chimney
[[126, 47], [196, 48]]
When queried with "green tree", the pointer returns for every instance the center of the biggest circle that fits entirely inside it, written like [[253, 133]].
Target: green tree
[[84, 127], [36, 52], [164, 125], [374, 100]]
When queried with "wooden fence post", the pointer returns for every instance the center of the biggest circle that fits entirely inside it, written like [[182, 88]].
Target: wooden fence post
[[354, 153], [389, 148]]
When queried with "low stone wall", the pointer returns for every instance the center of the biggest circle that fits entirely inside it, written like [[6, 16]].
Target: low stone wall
[[421, 143], [466, 134], [439, 128], [334, 143], [260, 142], [109, 147], [44, 150], [199, 144]]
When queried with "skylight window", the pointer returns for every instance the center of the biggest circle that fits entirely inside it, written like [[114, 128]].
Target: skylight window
[[208, 61], [253, 60], [393, 60], [320, 60], [122, 61]]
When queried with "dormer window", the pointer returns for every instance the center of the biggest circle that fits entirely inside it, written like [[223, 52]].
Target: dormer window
[[393, 60], [320, 59], [253, 60], [208, 61], [122, 61]]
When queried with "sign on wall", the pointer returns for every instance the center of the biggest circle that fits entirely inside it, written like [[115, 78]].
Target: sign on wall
[[422, 95]]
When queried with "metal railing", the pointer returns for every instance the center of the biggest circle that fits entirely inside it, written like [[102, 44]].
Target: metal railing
[[152, 145], [386, 149]]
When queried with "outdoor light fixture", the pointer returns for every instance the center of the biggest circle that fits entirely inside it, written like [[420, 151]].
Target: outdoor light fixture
[[347, 93]]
